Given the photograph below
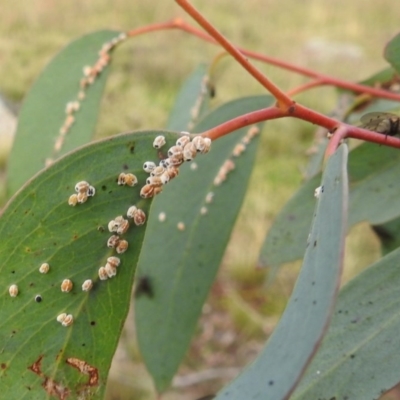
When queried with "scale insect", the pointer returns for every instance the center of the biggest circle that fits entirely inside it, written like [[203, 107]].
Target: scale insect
[[385, 123]]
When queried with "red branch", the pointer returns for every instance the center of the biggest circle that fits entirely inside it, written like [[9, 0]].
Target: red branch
[[289, 107]]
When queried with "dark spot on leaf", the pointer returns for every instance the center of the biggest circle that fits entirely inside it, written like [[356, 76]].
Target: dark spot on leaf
[[83, 344], [339, 311], [3, 365], [31, 284], [13, 272], [314, 302], [27, 249], [125, 167], [38, 298], [144, 287], [93, 323], [313, 283], [270, 383], [370, 302], [13, 333], [352, 356], [315, 243], [104, 187], [132, 148], [101, 229], [54, 244], [75, 237]]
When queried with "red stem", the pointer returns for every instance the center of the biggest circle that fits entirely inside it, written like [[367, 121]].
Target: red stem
[[282, 99]]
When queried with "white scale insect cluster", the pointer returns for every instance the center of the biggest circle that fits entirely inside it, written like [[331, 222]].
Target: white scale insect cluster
[[168, 168], [90, 74], [83, 191], [238, 150]]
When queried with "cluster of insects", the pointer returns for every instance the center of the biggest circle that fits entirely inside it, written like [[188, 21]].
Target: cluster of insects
[[90, 73], [239, 148], [168, 168], [83, 191]]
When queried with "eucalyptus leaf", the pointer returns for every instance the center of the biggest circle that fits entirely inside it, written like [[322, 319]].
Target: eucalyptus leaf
[[43, 112], [276, 371], [39, 357], [191, 102], [190, 225], [358, 358], [373, 171]]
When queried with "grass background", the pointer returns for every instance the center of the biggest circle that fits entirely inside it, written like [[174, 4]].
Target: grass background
[[341, 38]]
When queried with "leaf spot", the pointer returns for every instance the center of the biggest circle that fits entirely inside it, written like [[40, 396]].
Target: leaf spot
[[84, 368]]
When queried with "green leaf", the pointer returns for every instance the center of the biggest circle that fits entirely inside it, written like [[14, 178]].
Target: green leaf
[[43, 112], [276, 371], [358, 358], [191, 101], [392, 52], [373, 171], [182, 265], [39, 226]]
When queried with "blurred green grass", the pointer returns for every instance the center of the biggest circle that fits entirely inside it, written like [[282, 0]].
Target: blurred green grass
[[342, 38]]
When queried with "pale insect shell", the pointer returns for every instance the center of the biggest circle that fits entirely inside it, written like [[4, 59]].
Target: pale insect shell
[[87, 285], [172, 171], [121, 179], [73, 200], [182, 141], [131, 180], [147, 191], [123, 227], [113, 241], [131, 211], [207, 145], [175, 151], [44, 268], [69, 319], [114, 261], [139, 217], [113, 226], [158, 171], [110, 270], [81, 186], [122, 246], [61, 317], [189, 151], [66, 285], [91, 191], [199, 143], [102, 274], [175, 160], [13, 290], [82, 197], [148, 166], [154, 180], [165, 178], [159, 142]]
